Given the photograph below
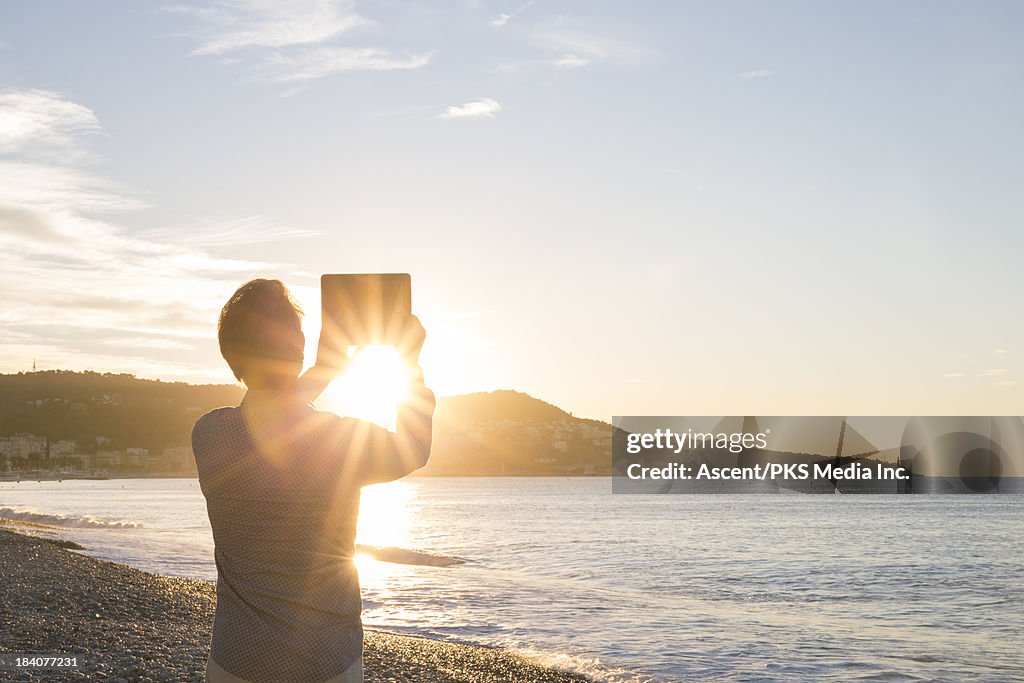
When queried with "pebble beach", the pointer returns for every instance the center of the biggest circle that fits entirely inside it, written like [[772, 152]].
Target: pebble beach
[[123, 624]]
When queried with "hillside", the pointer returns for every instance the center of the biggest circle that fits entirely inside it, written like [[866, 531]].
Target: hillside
[[122, 410], [507, 432], [502, 432]]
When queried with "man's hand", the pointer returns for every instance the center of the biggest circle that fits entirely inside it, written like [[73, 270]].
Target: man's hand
[[411, 342]]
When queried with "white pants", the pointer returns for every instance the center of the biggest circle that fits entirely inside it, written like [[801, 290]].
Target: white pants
[[215, 674]]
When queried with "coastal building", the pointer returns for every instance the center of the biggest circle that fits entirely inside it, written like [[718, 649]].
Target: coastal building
[[136, 457], [24, 445], [76, 462], [62, 447], [108, 459]]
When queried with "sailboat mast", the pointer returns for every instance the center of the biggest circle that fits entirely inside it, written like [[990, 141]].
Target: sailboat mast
[[839, 453]]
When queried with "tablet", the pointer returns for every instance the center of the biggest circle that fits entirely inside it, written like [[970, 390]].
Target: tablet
[[371, 308]]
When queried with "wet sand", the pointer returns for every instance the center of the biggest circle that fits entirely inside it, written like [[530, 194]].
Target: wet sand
[[124, 624]]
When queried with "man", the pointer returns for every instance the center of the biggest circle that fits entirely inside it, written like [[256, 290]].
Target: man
[[282, 484]]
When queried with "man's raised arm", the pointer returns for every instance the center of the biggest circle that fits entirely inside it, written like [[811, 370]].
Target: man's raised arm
[[374, 454], [409, 446], [393, 455]]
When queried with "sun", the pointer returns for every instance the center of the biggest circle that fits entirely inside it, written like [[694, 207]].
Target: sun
[[373, 387]]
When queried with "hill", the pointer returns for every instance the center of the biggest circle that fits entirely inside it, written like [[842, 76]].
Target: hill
[[501, 432], [508, 432], [101, 410]]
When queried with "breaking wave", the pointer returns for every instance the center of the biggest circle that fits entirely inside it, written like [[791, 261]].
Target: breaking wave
[[65, 521], [406, 556], [589, 667]]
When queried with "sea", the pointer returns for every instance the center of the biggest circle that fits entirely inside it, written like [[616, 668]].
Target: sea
[[636, 588]]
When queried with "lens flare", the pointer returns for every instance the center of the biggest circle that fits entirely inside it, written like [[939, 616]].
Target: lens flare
[[372, 388]]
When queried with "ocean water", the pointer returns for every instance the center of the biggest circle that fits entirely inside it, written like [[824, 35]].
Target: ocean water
[[639, 588]]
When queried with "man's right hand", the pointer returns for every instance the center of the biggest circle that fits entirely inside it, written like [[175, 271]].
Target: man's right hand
[[411, 342]]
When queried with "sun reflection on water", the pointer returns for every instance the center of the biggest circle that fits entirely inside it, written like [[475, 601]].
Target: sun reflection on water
[[385, 516]]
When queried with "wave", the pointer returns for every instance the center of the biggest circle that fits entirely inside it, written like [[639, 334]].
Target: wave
[[65, 521], [406, 556], [591, 668]]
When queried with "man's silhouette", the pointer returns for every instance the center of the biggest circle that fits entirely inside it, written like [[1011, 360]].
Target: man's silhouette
[[282, 482]]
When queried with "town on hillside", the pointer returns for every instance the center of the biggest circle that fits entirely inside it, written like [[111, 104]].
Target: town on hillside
[[25, 455]]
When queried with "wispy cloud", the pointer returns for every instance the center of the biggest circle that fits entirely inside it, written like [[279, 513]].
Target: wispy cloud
[[148, 343], [40, 121], [227, 26], [574, 47], [484, 108], [579, 47], [320, 62], [223, 232], [995, 377], [755, 73], [562, 62], [505, 18], [570, 62], [77, 283], [290, 40], [57, 187]]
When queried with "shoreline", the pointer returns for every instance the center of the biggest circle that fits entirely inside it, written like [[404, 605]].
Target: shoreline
[[127, 624], [8, 477]]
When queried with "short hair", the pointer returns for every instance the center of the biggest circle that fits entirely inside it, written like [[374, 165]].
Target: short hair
[[261, 325]]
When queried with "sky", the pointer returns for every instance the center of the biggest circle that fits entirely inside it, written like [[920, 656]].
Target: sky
[[621, 208]]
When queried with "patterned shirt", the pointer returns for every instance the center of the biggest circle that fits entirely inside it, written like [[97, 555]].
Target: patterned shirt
[[282, 483]]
